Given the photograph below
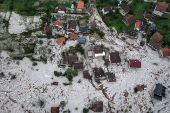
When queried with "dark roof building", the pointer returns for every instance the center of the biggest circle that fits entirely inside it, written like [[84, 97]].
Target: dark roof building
[[61, 8], [54, 109], [159, 91], [86, 74], [98, 106], [98, 49], [83, 29], [164, 52], [134, 63], [78, 66], [149, 17], [156, 40], [124, 10], [111, 77], [70, 59], [98, 72], [131, 33], [115, 58], [128, 19], [72, 49], [72, 25], [160, 8]]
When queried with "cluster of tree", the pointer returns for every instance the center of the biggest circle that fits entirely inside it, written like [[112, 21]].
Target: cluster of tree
[[95, 30], [79, 48], [69, 74]]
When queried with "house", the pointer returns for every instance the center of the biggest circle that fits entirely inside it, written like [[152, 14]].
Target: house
[[83, 29], [58, 24], [164, 52], [81, 40], [149, 18], [159, 91], [106, 9], [98, 72], [46, 29], [54, 109], [73, 36], [93, 23], [137, 25], [72, 26], [156, 41], [128, 19], [97, 106], [160, 8], [78, 66], [70, 59], [61, 9], [98, 51], [72, 49], [86, 74], [131, 33], [134, 63], [111, 77], [115, 58], [124, 10], [80, 6], [61, 40], [144, 29]]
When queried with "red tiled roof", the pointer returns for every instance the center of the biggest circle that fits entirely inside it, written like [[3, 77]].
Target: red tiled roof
[[58, 23], [135, 63], [73, 36], [161, 6], [61, 40], [80, 5], [138, 24], [166, 51], [46, 29]]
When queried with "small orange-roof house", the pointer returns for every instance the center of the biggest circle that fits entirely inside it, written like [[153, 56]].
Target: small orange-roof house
[[137, 25], [73, 36], [58, 24], [80, 6], [61, 40]]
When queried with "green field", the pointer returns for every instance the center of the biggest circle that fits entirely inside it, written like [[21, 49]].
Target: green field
[[115, 19]]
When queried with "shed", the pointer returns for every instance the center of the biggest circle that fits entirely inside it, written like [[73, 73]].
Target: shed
[[159, 91], [98, 106], [111, 77], [86, 74]]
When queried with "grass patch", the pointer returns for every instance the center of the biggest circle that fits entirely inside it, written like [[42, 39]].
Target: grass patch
[[115, 19], [163, 27], [34, 63]]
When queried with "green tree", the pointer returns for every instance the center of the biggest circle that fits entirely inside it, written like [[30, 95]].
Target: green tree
[[79, 48]]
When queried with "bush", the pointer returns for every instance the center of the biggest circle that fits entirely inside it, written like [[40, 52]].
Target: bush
[[55, 73], [79, 48], [13, 77], [70, 83], [40, 42], [34, 63], [41, 103], [85, 110]]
